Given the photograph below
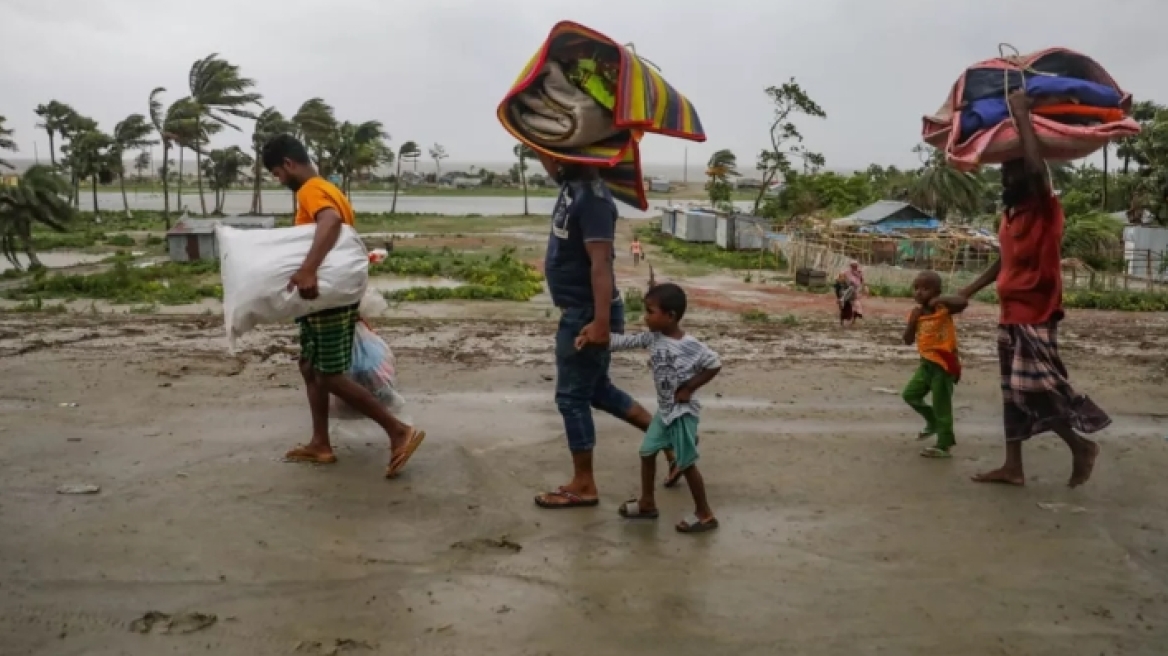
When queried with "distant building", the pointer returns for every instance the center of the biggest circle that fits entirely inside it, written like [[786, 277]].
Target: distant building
[[888, 216], [191, 240], [659, 185]]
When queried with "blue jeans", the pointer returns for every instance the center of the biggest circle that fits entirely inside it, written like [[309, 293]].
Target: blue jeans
[[582, 381]]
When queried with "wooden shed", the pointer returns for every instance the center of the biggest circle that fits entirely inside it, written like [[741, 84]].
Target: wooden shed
[[191, 240]]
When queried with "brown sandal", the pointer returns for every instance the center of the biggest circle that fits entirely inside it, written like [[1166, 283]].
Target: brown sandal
[[302, 454], [397, 461]]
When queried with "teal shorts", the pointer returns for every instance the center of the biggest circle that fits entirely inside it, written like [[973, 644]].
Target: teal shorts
[[680, 435]]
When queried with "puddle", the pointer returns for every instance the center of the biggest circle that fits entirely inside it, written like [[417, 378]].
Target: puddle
[[56, 259], [383, 284]]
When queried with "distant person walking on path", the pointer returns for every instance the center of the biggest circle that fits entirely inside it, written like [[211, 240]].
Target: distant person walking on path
[[1037, 395], [579, 272], [635, 249], [850, 292], [326, 337]]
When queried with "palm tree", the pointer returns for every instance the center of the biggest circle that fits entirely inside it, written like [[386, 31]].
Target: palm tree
[[722, 165], [523, 152], [944, 190], [142, 164], [55, 117], [218, 92], [316, 125], [188, 134], [223, 168], [438, 153], [269, 123], [408, 151], [158, 118], [357, 147], [92, 156], [76, 126], [6, 142], [38, 197], [131, 134]]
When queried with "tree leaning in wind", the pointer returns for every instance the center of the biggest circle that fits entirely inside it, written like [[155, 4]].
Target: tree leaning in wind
[[268, 124], [218, 92], [409, 151], [438, 153], [37, 197], [721, 166], [131, 134], [55, 117]]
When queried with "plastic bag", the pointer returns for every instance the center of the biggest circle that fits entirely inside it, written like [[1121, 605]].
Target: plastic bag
[[374, 368], [373, 304], [256, 266]]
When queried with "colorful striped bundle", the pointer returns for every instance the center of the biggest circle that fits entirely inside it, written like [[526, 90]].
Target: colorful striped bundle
[[640, 101]]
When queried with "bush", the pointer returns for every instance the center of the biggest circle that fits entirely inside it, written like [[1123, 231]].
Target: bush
[[487, 278], [121, 240], [170, 283]]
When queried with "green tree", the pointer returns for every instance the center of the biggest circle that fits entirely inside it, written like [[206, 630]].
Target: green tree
[[523, 152], [218, 93], [722, 165], [357, 148], [6, 142], [1096, 239], [410, 152], [786, 141], [223, 168], [159, 118], [142, 164], [269, 123], [133, 133], [37, 197], [55, 117], [945, 191], [316, 126], [76, 127]]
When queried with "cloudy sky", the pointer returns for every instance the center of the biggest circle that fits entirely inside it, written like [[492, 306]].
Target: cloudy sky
[[434, 70]]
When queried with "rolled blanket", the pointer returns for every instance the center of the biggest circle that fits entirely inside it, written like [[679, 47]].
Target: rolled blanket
[[585, 99], [1062, 72]]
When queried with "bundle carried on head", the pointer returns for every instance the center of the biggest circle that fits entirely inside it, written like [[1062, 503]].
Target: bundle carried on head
[[585, 99], [1080, 109]]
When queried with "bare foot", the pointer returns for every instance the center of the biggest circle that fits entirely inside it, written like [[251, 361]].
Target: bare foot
[[1003, 476], [1083, 466]]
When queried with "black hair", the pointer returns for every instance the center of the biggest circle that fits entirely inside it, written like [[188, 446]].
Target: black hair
[[669, 297], [932, 278], [282, 147]]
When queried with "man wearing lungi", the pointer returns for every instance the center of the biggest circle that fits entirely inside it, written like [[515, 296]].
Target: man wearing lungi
[[1036, 394]]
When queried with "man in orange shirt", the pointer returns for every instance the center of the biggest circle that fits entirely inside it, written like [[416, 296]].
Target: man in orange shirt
[[1036, 394], [326, 337]]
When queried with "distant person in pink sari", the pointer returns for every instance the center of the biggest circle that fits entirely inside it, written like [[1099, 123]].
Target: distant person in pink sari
[[854, 277]]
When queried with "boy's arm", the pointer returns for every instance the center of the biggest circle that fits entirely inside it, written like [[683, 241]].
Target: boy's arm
[[955, 304], [910, 331], [630, 342]]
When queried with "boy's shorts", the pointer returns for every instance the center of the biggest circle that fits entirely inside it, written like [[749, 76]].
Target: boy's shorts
[[326, 339], [680, 435]]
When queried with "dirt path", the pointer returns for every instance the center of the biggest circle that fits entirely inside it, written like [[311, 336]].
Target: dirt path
[[836, 537]]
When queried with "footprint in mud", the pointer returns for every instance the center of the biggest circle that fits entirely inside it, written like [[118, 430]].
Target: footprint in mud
[[172, 624], [485, 545]]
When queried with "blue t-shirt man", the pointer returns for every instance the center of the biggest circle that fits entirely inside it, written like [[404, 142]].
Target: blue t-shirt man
[[585, 211]]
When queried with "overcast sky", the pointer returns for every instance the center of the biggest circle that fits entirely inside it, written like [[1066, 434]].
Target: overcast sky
[[434, 70]]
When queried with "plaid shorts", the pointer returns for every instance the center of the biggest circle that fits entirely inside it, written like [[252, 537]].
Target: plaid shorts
[[326, 339]]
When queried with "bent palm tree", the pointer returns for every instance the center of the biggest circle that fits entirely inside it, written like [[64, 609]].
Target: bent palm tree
[[223, 168], [55, 118], [131, 134], [357, 147], [269, 123], [158, 118], [38, 197], [944, 190], [408, 151], [218, 92]]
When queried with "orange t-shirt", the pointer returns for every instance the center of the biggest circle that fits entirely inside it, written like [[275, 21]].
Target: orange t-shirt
[[318, 194], [937, 340]]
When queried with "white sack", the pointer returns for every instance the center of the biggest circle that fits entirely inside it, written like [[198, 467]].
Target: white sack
[[257, 264]]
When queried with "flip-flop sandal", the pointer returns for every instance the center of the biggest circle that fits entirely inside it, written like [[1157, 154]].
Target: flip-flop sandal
[[674, 475], [692, 524], [631, 509], [573, 500], [302, 455], [399, 460], [935, 452]]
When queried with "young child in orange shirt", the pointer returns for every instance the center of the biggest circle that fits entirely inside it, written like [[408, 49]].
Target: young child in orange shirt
[[931, 326]]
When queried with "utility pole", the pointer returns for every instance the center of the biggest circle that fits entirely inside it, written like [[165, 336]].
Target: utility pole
[[685, 168]]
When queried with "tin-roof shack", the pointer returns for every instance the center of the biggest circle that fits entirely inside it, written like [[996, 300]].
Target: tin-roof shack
[[888, 216], [191, 240]]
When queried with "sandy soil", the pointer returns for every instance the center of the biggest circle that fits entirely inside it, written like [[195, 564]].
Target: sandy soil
[[836, 538]]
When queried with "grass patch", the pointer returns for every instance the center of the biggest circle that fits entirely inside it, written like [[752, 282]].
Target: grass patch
[[755, 315], [170, 283], [708, 254], [501, 277]]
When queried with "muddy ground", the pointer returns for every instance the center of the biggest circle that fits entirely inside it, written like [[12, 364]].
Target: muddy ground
[[836, 537]]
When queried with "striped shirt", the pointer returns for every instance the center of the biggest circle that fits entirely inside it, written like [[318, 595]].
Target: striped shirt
[[674, 363]]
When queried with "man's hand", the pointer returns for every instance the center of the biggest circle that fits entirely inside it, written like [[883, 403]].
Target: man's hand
[[594, 334], [1019, 102], [304, 281], [683, 394]]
